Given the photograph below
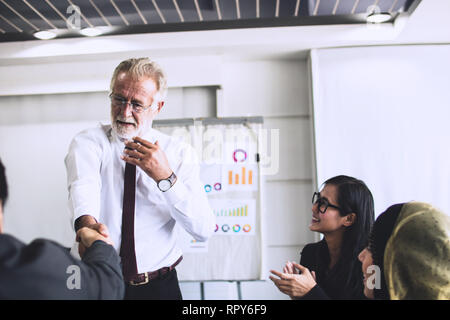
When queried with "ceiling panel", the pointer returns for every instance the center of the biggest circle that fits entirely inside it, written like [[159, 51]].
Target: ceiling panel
[[20, 19]]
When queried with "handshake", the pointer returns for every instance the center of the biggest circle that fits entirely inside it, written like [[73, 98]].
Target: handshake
[[91, 232]]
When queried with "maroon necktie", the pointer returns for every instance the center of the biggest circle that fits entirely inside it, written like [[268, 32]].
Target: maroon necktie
[[127, 252]]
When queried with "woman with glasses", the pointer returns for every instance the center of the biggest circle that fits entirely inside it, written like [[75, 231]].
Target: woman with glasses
[[343, 212]]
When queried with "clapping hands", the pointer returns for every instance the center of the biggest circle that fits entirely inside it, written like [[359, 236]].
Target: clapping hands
[[295, 281]]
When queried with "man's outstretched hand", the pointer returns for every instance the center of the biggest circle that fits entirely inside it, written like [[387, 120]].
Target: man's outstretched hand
[[86, 236]]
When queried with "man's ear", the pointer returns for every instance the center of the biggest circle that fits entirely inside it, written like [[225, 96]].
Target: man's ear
[[349, 219]]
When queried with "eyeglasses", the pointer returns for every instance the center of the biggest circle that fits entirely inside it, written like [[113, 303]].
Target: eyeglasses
[[322, 203], [120, 102]]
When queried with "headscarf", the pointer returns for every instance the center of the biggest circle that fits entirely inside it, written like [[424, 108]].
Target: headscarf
[[416, 252], [417, 255]]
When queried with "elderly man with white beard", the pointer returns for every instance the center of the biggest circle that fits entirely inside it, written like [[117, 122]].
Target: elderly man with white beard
[[134, 183]]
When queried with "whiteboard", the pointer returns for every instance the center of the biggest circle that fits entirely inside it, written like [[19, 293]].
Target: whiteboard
[[382, 114], [228, 150]]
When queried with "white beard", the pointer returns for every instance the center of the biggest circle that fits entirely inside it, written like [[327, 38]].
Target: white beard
[[128, 132], [124, 133]]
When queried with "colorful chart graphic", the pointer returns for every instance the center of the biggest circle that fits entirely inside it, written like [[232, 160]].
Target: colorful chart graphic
[[232, 212], [244, 177], [240, 177], [209, 188], [234, 217], [239, 155], [211, 176], [236, 229]]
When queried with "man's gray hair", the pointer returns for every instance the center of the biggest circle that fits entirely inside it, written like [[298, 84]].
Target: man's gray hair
[[139, 68]]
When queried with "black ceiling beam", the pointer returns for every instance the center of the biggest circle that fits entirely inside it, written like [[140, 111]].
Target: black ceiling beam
[[208, 25]]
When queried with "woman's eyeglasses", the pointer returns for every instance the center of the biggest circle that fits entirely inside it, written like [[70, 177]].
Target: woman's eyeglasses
[[322, 203]]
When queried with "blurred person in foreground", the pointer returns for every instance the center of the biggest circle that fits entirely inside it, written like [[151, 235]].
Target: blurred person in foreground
[[45, 270], [408, 256]]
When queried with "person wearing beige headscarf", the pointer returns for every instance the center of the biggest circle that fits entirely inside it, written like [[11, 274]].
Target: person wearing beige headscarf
[[410, 249]]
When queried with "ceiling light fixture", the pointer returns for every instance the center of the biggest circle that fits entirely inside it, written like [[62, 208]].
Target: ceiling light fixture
[[45, 34], [91, 32], [379, 17]]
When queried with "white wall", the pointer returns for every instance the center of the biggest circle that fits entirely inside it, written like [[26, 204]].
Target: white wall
[[381, 114], [277, 90]]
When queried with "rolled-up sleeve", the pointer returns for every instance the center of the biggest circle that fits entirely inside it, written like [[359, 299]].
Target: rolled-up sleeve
[[83, 163], [187, 199]]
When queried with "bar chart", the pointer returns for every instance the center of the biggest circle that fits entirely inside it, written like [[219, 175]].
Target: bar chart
[[232, 212], [244, 177], [240, 177]]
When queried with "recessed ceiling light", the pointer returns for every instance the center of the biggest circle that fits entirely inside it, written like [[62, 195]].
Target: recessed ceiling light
[[379, 17], [45, 34], [91, 32]]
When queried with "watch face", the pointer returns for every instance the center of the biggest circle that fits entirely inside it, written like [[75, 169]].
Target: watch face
[[164, 185]]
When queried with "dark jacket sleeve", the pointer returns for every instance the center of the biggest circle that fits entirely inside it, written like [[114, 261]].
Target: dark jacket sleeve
[[316, 293], [308, 260], [103, 271], [46, 270]]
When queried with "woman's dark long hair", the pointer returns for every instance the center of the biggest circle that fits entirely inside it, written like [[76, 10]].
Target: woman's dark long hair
[[353, 196], [3, 185]]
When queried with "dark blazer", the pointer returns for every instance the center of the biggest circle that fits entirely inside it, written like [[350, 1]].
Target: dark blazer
[[331, 284], [46, 270]]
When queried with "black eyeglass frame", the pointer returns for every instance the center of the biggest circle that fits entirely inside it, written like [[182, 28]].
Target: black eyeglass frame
[[121, 102], [324, 201]]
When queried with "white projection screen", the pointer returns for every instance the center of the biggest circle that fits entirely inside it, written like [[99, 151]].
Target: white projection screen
[[382, 114]]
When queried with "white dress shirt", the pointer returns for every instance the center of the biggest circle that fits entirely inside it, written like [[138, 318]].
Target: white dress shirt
[[95, 174]]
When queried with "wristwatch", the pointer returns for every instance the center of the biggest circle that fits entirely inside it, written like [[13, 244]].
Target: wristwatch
[[166, 184]]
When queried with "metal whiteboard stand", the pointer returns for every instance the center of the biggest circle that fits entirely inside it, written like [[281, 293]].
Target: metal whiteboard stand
[[239, 290], [202, 290]]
